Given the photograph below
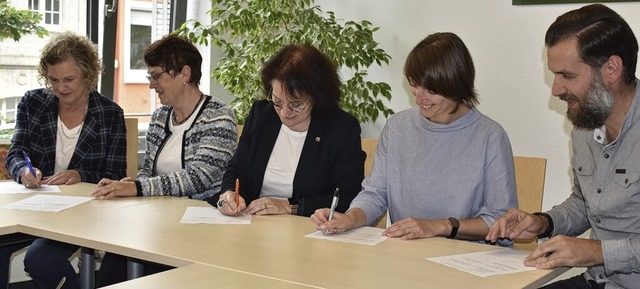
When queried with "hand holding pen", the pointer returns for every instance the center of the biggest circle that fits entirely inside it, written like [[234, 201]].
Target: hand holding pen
[[231, 203], [32, 176], [237, 197], [334, 204]]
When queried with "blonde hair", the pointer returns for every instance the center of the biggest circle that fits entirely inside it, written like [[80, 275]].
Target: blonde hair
[[69, 45]]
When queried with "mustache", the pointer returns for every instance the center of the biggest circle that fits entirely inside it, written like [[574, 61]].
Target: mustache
[[568, 96]]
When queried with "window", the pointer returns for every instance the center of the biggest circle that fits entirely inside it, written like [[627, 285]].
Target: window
[[50, 9], [8, 108], [145, 22]]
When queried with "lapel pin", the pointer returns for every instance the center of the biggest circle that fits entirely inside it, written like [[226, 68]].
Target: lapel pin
[[317, 139]]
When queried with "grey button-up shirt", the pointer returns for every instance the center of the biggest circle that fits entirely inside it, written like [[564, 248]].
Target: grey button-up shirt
[[606, 199]]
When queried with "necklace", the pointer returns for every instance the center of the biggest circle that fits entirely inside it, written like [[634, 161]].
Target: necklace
[[175, 120], [62, 126]]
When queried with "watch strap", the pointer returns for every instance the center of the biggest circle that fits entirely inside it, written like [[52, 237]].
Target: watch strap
[[549, 231], [455, 225]]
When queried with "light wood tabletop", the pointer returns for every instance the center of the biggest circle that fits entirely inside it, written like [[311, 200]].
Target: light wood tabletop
[[272, 247], [199, 276]]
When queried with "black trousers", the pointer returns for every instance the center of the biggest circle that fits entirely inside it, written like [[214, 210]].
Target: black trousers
[[575, 282]]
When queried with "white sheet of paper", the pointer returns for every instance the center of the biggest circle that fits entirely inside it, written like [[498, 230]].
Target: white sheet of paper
[[47, 203], [363, 235], [488, 263], [15, 188], [211, 215]]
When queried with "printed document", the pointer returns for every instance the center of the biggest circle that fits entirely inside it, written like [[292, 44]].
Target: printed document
[[47, 203], [488, 263], [15, 188], [363, 236], [211, 215]]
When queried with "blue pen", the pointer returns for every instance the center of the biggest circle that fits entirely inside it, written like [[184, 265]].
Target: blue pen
[[26, 159]]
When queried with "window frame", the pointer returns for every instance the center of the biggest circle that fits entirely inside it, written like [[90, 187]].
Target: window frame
[[134, 75], [42, 10]]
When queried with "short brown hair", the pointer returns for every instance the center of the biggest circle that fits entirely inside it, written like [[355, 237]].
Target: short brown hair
[[173, 52], [304, 70], [442, 64], [600, 33]]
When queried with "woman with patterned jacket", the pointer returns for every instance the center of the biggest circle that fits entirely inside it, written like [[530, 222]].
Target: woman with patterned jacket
[[190, 140], [191, 137]]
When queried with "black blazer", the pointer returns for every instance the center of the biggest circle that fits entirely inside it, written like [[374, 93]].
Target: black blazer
[[331, 157]]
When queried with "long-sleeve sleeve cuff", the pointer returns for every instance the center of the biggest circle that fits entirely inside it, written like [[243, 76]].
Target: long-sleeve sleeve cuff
[[618, 256]]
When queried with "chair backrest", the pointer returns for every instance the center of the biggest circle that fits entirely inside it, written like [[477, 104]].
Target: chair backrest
[[131, 123], [240, 127], [530, 173], [369, 146]]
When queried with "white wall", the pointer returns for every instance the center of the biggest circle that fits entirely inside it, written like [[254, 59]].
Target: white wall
[[507, 45]]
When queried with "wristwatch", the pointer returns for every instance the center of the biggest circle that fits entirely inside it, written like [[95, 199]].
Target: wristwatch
[[455, 224], [221, 203]]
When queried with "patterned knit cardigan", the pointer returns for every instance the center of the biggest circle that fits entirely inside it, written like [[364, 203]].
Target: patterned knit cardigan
[[208, 145]]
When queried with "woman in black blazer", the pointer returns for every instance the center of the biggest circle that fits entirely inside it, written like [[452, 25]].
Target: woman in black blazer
[[297, 146]]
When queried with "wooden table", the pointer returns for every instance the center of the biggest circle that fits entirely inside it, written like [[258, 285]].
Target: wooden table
[[271, 247]]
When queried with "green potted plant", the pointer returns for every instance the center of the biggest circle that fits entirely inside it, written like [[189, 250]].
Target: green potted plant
[[16, 23], [250, 31]]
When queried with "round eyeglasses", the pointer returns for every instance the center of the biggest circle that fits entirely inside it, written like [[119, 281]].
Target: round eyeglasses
[[296, 106]]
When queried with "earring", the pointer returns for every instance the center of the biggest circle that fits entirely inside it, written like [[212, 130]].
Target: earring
[[184, 83]]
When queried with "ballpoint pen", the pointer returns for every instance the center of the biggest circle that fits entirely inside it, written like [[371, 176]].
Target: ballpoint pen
[[61, 282], [237, 195], [334, 204], [29, 165]]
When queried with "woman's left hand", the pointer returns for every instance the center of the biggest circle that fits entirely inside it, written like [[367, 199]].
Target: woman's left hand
[[412, 228], [268, 206], [69, 177], [109, 189]]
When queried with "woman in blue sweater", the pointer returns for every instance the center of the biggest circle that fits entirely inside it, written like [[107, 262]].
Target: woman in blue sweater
[[442, 168]]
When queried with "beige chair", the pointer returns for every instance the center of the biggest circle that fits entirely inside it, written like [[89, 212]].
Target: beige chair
[[240, 127], [530, 173], [131, 123], [369, 146]]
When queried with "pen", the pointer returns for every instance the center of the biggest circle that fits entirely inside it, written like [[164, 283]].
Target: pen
[[237, 196], [26, 159], [61, 282], [334, 204]]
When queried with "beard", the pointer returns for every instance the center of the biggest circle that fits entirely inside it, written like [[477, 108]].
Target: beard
[[593, 108]]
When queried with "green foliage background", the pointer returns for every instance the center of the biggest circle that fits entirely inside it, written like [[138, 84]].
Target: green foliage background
[[16, 23], [250, 31]]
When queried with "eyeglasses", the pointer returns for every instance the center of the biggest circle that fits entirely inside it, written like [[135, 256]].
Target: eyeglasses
[[296, 107], [154, 77]]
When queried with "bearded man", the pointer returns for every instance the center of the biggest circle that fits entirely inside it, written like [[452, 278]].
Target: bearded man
[[592, 53]]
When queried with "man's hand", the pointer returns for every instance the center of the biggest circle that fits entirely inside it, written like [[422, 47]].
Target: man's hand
[[516, 224], [566, 251]]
